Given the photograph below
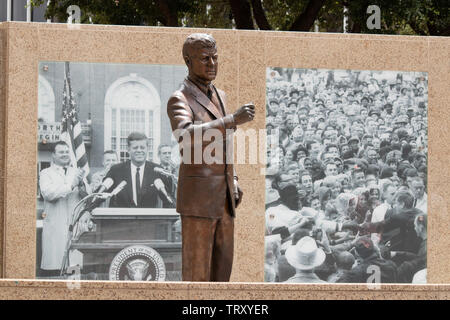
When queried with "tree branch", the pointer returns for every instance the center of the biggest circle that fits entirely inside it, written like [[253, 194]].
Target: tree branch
[[356, 28], [260, 15], [242, 14], [169, 19], [418, 30], [305, 21]]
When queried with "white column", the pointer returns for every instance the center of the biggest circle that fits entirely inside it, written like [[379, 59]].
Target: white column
[[28, 11], [8, 10], [345, 22], [48, 3], [316, 26]]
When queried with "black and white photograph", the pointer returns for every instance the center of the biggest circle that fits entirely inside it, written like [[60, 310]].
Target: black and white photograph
[[107, 172], [346, 176]]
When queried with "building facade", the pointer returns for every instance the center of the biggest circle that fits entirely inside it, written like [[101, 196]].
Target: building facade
[[112, 100]]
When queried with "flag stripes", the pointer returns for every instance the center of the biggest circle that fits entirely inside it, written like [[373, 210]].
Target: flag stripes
[[71, 126]]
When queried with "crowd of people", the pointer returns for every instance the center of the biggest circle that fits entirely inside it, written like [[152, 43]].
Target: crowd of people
[[346, 176]]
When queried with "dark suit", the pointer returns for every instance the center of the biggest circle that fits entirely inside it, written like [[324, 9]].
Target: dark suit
[[362, 272], [148, 196], [205, 195], [398, 228]]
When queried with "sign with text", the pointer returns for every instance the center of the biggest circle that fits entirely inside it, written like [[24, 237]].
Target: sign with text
[[49, 132]]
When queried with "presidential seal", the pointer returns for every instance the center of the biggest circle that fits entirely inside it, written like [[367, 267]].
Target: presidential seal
[[137, 263]]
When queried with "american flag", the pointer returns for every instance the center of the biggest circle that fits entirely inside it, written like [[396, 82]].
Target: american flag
[[71, 127]]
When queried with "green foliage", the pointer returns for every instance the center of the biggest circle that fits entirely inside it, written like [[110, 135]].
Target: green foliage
[[418, 17], [210, 14], [281, 14], [125, 12]]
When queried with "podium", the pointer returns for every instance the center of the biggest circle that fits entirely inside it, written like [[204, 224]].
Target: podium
[[113, 230]]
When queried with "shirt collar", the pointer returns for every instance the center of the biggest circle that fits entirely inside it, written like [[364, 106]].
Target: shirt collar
[[203, 88], [133, 167], [58, 167]]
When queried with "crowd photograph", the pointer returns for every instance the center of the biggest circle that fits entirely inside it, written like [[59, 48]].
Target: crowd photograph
[[346, 176]]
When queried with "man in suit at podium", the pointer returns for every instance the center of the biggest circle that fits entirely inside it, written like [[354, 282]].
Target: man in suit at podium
[[144, 178], [208, 192]]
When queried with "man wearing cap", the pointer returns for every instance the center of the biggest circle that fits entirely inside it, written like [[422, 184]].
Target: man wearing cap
[[273, 107], [388, 108], [365, 102], [303, 110], [353, 143], [292, 106], [293, 94], [401, 121], [374, 113], [410, 111]]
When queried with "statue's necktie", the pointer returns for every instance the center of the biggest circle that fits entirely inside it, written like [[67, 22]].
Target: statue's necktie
[[214, 99]]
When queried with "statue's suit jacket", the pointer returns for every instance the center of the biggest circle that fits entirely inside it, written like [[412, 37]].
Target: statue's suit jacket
[[203, 187]]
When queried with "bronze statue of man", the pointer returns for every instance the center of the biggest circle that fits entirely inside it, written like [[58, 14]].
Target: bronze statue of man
[[208, 192]]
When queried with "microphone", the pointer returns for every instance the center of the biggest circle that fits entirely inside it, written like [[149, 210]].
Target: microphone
[[159, 185], [105, 185], [98, 199], [162, 171], [119, 188]]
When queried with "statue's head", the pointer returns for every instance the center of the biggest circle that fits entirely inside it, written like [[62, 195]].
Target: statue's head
[[200, 56]]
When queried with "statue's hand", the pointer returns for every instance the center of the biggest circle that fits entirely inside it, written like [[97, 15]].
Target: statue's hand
[[244, 114]]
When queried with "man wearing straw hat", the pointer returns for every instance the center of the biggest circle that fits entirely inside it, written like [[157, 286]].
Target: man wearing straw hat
[[304, 257]]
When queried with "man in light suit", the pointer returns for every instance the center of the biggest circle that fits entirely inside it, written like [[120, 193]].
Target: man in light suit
[[60, 186], [208, 192], [144, 183]]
